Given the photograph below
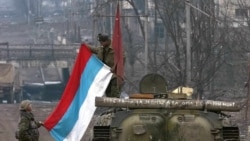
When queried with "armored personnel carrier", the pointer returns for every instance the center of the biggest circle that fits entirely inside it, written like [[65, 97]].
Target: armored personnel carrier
[[155, 114]]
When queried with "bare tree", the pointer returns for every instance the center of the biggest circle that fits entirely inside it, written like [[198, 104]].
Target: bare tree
[[207, 38], [213, 41]]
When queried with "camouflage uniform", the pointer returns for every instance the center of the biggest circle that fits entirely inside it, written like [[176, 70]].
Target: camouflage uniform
[[106, 55], [27, 126]]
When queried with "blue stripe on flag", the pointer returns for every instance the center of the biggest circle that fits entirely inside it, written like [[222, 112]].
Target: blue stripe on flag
[[65, 125]]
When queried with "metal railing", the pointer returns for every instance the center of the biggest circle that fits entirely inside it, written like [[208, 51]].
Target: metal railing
[[37, 51]]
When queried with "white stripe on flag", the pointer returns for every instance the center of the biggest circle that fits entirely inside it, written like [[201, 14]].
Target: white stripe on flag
[[88, 107]]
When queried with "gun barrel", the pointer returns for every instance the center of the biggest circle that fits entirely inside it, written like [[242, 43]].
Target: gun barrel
[[167, 104]]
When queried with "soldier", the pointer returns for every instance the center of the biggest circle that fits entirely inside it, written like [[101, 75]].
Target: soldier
[[106, 54], [27, 126]]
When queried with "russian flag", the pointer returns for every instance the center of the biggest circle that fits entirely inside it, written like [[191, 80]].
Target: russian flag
[[72, 115]]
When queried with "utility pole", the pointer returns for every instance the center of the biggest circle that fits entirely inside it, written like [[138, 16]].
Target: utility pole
[[29, 12], [111, 19], [246, 117], [146, 36], [188, 47]]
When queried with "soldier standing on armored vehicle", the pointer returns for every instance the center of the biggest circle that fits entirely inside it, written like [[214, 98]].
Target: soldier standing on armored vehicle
[[106, 54]]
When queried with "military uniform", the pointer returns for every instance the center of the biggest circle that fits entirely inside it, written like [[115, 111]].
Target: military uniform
[[106, 55], [27, 126]]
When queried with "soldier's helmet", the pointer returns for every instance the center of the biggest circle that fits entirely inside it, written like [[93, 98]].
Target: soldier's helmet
[[102, 37], [24, 104]]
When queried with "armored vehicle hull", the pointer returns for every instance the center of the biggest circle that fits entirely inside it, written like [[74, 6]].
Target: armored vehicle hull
[[156, 114], [164, 125]]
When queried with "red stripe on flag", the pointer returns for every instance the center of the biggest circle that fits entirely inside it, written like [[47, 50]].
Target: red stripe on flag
[[71, 88]]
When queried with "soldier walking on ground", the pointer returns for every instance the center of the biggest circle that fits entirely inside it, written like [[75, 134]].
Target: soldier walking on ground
[[27, 126]]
